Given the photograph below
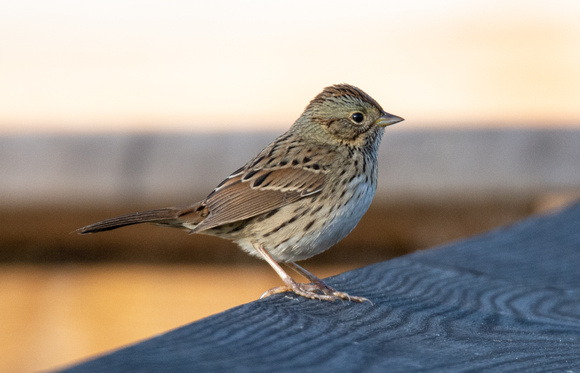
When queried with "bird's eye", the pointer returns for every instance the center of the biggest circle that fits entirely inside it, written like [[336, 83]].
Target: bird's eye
[[357, 117]]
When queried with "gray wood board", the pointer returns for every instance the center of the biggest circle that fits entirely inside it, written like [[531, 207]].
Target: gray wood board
[[180, 168], [508, 300]]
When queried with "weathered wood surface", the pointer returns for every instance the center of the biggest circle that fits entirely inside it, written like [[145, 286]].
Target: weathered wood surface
[[508, 300], [82, 170]]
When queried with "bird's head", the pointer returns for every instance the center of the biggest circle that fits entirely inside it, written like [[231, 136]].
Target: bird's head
[[344, 114]]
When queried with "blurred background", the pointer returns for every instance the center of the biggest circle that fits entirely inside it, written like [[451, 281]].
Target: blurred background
[[110, 107]]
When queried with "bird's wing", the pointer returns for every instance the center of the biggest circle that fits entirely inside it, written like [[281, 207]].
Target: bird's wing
[[262, 185]]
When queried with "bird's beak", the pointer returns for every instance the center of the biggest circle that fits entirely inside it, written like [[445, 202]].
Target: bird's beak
[[387, 119]]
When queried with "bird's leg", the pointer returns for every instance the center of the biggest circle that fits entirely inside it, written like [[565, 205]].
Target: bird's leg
[[316, 290], [322, 286], [313, 279], [290, 284]]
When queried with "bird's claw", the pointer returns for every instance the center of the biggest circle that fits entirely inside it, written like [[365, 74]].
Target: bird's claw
[[316, 291]]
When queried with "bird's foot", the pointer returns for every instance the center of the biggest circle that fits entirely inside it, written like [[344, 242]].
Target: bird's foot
[[317, 290]]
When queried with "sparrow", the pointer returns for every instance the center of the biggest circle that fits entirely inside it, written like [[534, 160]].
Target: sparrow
[[299, 196]]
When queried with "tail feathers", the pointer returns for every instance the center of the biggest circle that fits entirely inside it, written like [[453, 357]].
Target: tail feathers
[[160, 216]]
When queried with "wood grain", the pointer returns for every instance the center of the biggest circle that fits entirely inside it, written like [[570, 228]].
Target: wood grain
[[508, 300]]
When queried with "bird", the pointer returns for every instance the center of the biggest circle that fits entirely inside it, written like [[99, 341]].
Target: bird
[[299, 196]]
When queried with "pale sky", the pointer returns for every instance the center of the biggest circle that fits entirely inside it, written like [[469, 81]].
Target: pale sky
[[113, 65]]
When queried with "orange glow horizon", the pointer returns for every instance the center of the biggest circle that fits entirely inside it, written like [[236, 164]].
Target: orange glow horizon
[[188, 66]]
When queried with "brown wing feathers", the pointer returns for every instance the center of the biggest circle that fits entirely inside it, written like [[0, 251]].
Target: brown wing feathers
[[257, 191]]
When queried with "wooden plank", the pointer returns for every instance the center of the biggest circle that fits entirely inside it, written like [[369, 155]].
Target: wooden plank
[[111, 169], [506, 300]]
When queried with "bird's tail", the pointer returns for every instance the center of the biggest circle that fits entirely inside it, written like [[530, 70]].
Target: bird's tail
[[165, 216]]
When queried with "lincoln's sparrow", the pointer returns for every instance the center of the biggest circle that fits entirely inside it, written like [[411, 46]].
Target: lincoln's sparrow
[[299, 196]]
